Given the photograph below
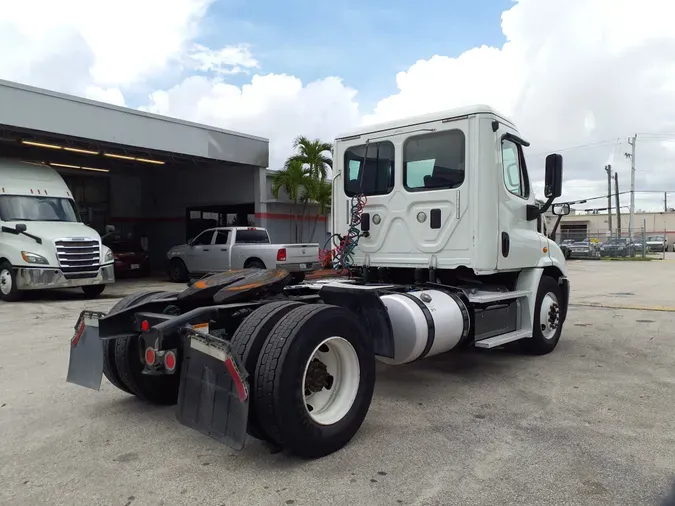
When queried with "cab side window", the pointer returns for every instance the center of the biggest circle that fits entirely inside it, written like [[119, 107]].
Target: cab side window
[[515, 172], [203, 239]]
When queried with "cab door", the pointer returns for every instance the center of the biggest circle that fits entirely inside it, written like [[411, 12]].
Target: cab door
[[520, 244]]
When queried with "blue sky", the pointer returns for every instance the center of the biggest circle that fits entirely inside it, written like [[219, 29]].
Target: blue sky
[[364, 43]]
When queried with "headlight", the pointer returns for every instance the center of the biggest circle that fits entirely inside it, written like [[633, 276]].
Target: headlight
[[108, 256], [33, 258]]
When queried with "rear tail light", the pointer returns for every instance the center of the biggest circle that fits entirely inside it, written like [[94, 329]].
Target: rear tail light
[[170, 361], [150, 356], [281, 255]]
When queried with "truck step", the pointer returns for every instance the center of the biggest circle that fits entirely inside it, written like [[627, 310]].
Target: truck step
[[494, 342], [484, 297]]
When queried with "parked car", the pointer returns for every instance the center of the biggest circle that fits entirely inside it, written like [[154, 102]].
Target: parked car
[[130, 257], [657, 243], [584, 249], [618, 247], [225, 248]]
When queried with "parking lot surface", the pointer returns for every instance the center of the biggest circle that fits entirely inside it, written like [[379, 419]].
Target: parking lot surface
[[590, 424]]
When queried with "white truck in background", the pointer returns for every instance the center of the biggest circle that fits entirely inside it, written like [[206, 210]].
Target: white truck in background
[[43, 243], [227, 248]]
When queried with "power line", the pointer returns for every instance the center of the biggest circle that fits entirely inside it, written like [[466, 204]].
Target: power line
[[606, 142]]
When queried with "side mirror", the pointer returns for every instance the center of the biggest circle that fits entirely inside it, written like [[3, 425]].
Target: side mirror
[[20, 228], [190, 241], [561, 209], [553, 178]]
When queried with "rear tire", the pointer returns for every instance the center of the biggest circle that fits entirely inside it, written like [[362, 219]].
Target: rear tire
[[254, 264], [247, 342], [547, 326], [109, 366], [162, 389], [284, 389]]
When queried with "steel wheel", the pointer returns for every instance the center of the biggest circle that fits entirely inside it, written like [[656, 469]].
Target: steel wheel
[[331, 380], [6, 281], [549, 315]]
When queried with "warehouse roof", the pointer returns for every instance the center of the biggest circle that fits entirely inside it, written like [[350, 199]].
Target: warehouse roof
[[36, 109]]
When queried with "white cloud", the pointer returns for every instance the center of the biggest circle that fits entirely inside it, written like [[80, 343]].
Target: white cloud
[[572, 75], [226, 61], [70, 44]]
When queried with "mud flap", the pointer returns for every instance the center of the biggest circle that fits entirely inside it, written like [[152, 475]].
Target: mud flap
[[214, 393], [85, 367]]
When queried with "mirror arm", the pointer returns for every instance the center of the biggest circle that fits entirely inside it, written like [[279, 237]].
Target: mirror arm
[[533, 212], [555, 228]]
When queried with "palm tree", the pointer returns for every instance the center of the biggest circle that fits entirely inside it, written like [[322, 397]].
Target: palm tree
[[312, 155], [294, 180], [321, 193]]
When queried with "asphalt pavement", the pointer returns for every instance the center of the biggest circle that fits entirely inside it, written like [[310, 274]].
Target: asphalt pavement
[[590, 424]]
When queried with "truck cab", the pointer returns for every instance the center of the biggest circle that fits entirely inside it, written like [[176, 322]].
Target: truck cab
[[43, 242], [443, 191]]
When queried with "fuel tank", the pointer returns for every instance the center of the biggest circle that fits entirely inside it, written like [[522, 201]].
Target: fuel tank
[[425, 323]]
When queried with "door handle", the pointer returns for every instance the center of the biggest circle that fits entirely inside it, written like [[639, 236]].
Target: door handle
[[205, 249], [223, 249]]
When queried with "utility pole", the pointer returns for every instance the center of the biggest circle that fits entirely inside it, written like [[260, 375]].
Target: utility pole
[[665, 202], [608, 169], [631, 155], [618, 207]]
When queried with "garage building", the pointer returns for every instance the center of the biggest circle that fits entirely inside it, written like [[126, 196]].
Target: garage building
[[160, 178]]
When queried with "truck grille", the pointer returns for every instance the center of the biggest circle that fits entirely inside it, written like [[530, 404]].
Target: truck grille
[[78, 258]]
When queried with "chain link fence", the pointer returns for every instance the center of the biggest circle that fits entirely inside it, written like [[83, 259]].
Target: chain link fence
[[596, 244]]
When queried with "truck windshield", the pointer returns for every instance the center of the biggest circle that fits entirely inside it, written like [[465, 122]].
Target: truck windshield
[[376, 175], [252, 237], [36, 208]]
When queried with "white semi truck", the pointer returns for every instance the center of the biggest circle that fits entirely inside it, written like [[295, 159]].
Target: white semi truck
[[436, 221], [43, 242]]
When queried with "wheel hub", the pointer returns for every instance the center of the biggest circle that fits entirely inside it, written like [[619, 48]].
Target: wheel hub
[[549, 316], [317, 377], [331, 380]]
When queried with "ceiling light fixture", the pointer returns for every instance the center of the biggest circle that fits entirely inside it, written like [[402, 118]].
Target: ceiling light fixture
[[145, 160], [121, 157], [83, 151], [41, 145]]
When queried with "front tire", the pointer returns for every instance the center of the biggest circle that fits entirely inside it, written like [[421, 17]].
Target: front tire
[[547, 322], [8, 288], [178, 272], [315, 380], [93, 291]]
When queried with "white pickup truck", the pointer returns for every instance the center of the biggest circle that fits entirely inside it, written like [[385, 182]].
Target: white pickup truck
[[224, 248]]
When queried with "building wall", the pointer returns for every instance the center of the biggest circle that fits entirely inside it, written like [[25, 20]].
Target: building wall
[[598, 224]]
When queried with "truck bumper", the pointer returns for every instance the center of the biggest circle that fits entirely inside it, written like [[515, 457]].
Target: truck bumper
[[300, 267], [30, 278]]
